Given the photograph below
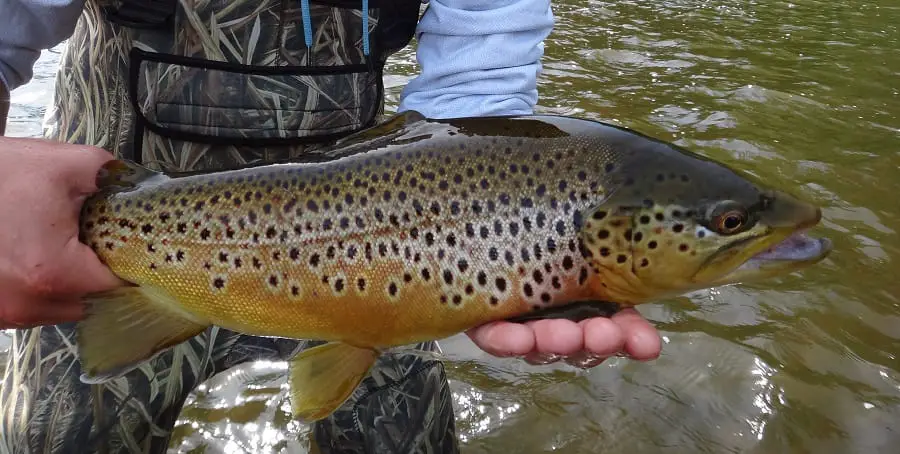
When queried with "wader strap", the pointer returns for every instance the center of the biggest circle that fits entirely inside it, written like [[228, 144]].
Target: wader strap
[[142, 14]]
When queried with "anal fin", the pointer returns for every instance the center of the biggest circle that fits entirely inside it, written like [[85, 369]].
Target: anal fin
[[323, 377], [128, 325]]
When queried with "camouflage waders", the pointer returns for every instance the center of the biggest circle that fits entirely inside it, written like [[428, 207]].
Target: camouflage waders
[[207, 85]]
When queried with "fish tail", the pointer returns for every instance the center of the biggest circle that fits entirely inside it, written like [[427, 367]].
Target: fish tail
[[323, 377], [127, 326]]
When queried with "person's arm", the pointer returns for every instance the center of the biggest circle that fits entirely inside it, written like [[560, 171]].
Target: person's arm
[[26, 28], [478, 58]]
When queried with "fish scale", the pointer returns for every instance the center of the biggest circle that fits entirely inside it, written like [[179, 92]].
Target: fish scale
[[415, 230]]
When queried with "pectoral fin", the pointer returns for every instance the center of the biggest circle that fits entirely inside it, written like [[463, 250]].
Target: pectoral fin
[[323, 377], [128, 325]]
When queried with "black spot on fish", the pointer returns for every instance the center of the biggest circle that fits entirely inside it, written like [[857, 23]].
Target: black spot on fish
[[582, 276], [448, 277], [500, 283], [219, 283], [454, 208], [526, 256], [470, 230], [652, 244], [603, 234], [463, 265]]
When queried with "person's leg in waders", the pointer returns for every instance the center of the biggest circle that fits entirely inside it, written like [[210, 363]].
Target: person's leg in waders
[[403, 406]]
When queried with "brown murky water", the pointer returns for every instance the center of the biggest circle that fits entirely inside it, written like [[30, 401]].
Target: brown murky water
[[804, 94]]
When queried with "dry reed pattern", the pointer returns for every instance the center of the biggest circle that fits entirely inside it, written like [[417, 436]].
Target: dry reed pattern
[[45, 408]]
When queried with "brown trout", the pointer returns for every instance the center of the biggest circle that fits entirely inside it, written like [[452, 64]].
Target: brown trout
[[418, 229]]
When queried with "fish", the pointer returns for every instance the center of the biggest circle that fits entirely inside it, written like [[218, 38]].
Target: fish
[[418, 229]]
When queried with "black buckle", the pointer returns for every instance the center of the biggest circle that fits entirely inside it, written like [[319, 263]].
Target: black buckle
[[142, 14]]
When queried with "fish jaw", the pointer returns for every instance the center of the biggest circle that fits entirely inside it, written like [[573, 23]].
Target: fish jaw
[[797, 251]]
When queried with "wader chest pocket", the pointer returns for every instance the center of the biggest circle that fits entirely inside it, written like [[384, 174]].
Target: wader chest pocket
[[223, 103]]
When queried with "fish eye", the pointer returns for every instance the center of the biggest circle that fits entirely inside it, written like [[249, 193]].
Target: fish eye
[[728, 219]]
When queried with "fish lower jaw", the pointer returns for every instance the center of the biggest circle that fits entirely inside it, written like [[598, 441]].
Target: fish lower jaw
[[798, 247]]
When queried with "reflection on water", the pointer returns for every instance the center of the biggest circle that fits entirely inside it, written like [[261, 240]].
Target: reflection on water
[[804, 95]]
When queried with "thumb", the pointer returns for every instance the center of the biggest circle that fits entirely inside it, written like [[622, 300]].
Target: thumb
[[88, 274]]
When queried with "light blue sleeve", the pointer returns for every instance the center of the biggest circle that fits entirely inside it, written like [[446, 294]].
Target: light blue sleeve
[[26, 28], [478, 58]]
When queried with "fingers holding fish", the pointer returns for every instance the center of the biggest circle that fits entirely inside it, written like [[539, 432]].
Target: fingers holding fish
[[503, 338], [641, 340], [561, 337]]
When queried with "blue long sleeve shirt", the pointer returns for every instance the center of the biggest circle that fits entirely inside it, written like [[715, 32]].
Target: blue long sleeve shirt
[[477, 57]]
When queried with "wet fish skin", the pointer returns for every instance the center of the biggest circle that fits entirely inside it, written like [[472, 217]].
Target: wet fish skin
[[416, 230]]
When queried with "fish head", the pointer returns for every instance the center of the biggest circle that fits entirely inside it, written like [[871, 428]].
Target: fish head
[[675, 222]]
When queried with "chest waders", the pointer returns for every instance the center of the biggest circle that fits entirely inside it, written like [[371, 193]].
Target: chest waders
[[186, 85]]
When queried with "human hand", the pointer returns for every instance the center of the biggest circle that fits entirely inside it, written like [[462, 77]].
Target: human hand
[[582, 344], [44, 269]]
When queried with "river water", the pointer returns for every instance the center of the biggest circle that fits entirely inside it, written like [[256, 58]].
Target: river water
[[804, 94]]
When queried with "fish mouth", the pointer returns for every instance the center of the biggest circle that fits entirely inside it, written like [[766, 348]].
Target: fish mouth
[[797, 247], [797, 250]]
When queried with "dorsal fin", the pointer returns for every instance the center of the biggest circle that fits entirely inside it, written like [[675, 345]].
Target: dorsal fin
[[381, 133]]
